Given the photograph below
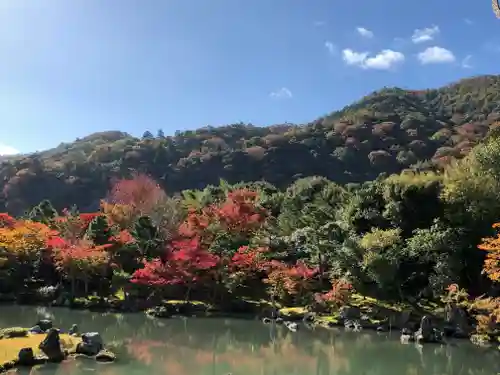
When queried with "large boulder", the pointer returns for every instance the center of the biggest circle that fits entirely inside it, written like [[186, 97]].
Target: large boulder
[[426, 333], [45, 324], [26, 357], [91, 344], [457, 321], [73, 331], [350, 313], [403, 320], [51, 346]]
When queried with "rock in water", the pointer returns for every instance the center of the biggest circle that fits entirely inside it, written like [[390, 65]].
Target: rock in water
[[457, 321], [26, 357], [73, 330], [350, 313], [91, 344], [45, 324], [426, 332], [292, 326], [36, 330], [51, 346], [105, 356]]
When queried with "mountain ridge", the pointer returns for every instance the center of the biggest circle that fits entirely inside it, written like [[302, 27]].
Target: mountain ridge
[[387, 131]]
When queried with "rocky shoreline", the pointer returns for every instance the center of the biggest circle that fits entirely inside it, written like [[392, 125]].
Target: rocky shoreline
[[44, 343], [420, 323]]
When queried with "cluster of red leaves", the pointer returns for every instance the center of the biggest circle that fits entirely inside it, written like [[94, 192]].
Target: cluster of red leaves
[[86, 218], [74, 226], [238, 214], [288, 279], [339, 295], [248, 259], [77, 256], [123, 237], [141, 193], [6, 221], [186, 262]]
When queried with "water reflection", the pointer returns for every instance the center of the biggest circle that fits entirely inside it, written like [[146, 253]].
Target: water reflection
[[218, 347]]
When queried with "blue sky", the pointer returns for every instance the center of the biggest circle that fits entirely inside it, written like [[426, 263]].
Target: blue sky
[[72, 67]]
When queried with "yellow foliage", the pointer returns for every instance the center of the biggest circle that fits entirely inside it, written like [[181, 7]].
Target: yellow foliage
[[24, 241], [119, 214], [380, 239], [488, 314], [9, 348]]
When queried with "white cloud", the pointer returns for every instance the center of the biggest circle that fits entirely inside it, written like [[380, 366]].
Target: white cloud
[[468, 21], [364, 32], [424, 35], [7, 150], [466, 62], [354, 58], [384, 60], [332, 48], [436, 55], [282, 93]]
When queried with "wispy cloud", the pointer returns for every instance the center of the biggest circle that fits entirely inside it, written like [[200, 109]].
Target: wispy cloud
[[332, 48], [425, 35], [282, 93], [384, 60], [468, 21], [364, 32], [466, 62], [319, 23], [7, 150], [436, 55]]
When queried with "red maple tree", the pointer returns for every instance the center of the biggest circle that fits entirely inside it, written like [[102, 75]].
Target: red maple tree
[[141, 193], [6, 221], [185, 263]]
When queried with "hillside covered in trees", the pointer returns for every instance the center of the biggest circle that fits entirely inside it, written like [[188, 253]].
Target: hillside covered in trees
[[415, 241], [386, 132], [341, 219]]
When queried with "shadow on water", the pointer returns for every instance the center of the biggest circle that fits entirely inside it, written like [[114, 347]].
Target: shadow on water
[[222, 346]]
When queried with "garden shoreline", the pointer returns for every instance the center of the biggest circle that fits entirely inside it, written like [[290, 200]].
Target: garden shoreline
[[361, 313]]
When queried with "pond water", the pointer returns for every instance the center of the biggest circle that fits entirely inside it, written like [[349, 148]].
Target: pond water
[[222, 346]]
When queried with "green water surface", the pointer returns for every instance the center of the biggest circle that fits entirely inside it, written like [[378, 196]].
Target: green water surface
[[221, 346]]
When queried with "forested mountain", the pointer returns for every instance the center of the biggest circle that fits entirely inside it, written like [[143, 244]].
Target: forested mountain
[[385, 132]]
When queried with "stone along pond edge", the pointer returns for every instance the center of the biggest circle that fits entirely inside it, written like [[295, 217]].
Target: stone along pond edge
[[421, 325], [43, 343]]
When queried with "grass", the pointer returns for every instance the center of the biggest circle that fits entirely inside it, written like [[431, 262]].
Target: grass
[[10, 347], [293, 311]]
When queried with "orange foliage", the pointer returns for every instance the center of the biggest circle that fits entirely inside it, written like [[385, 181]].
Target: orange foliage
[[285, 280], [492, 262], [79, 259]]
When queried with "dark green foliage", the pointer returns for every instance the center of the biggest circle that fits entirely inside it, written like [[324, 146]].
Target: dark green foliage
[[43, 212], [147, 238], [99, 230]]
